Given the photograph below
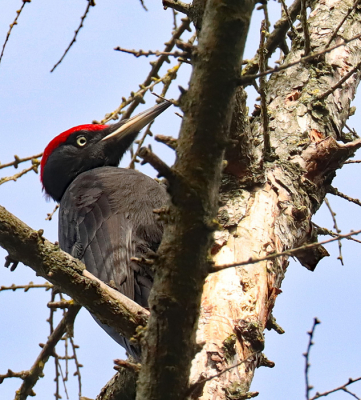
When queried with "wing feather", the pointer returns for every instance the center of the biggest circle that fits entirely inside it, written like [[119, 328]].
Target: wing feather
[[106, 217]]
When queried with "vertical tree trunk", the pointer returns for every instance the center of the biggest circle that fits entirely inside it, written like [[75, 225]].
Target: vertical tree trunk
[[270, 211]]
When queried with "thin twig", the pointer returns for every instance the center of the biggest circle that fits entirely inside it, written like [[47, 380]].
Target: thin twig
[[263, 92], [15, 22], [266, 16], [77, 364], [178, 6], [352, 394], [163, 169], [56, 379], [306, 33], [19, 175], [50, 215], [12, 374], [91, 3], [281, 254], [36, 370], [140, 53], [285, 9], [339, 83], [276, 38], [143, 5], [169, 141], [63, 378], [342, 387], [307, 357], [353, 162], [167, 79], [30, 285], [175, 25], [136, 98], [351, 130], [247, 79], [140, 143], [333, 216], [18, 161], [62, 304], [203, 381], [349, 11], [325, 231], [336, 192]]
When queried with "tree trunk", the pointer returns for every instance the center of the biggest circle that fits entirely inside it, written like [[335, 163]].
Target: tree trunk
[[269, 209]]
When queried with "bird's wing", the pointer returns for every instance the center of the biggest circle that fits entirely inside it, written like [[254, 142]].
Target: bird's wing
[[106, 218]]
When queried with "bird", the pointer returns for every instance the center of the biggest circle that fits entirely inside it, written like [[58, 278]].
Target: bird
[[106, 216]]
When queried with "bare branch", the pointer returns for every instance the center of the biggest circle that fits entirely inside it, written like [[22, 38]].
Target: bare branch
[[140, 53], [349, 12], [50, 215], [333, 216], [169, 141], [307, 357], [276, 37], [159, 165], [18, 161], [247, 79], [143, 5], [290, 22], [32, 249], [168, 351], [62, 304], [340, 388], [325, 231], [140, 142], [91, 3], [15, 177], [263, 91], [77, 364], [283, 253], [340, 82], [306, 33], [136, 98], [36, 371], [175, 24], [178, 6], [336, 192], [30, 285], [15, 22]]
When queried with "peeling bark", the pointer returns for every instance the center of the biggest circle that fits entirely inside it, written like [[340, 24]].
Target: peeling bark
[[183, 261], [266, 207], [275, 214]]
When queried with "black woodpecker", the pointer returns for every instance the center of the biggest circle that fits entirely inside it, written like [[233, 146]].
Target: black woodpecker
[[106, 213]]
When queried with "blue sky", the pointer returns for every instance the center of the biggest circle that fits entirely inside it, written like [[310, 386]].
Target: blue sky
[[36, 105]]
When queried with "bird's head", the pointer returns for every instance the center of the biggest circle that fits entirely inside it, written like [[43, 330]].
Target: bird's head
[[85, 147]]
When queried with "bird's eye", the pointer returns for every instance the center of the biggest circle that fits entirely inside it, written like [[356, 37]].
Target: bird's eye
[[81, 141]]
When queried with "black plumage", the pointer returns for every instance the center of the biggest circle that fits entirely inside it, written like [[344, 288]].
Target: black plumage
[[106, 213], [106, 218]]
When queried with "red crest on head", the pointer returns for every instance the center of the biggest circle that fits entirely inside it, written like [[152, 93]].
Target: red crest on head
[[58, 140]]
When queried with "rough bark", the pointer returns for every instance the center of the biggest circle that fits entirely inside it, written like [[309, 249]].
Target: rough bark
[[274, 213], [47, 260], [266, 207], [183, 262], [121, 387]]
